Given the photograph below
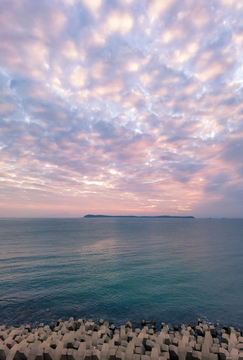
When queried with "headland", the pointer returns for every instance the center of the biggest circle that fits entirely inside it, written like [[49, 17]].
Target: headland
[[142, 216]]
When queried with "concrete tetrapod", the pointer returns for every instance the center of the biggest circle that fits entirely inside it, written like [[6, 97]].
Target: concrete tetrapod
[[80, 340]]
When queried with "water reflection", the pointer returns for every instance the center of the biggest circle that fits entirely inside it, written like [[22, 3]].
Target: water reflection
[[100, 250]]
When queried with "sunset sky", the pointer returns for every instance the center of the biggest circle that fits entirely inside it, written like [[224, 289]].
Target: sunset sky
[[130, 107]]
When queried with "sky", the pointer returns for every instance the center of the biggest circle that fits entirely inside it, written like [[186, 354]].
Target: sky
[[121, 107]]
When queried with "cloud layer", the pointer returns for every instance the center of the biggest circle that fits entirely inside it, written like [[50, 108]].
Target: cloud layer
[[124, 107]]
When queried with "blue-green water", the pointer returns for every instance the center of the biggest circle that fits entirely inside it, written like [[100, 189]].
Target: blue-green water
[[171, 270]]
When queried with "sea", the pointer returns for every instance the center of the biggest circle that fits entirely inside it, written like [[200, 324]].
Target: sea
[[120, 269]]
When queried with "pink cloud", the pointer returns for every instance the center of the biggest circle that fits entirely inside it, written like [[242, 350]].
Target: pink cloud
[[126, 108]]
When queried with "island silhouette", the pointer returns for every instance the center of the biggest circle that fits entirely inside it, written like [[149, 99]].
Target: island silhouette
[[142, 216]]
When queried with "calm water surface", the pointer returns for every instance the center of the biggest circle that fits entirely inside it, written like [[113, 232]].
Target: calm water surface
[[171, 270]]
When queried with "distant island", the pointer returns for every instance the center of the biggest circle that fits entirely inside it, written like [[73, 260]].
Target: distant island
[[143, 216]]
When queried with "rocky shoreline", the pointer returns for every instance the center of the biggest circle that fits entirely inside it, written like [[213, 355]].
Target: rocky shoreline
[[80, 340]]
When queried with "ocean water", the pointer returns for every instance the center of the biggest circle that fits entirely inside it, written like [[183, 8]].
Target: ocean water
[[171, 270]]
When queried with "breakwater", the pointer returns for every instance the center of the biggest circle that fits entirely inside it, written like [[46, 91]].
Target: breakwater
[[80, 340]]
